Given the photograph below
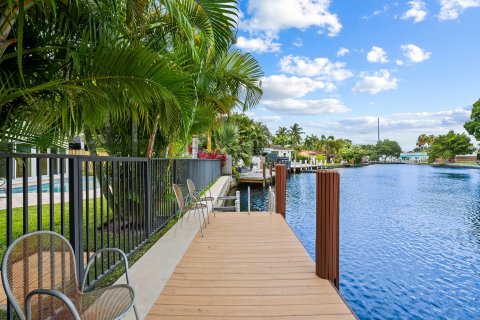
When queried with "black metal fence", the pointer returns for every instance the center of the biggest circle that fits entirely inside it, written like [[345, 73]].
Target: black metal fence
[[95, 202]]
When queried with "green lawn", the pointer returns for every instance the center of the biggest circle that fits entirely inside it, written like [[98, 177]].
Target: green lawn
[[111, 277], [18, 222]]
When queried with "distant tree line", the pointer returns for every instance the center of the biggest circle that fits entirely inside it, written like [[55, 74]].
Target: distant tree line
[[335, 149], [448, 146]]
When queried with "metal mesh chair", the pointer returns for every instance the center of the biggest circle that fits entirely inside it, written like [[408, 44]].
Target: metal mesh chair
[[40, 279], [196, 195], [184, 206]]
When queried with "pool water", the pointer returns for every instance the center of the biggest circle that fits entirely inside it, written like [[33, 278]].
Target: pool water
[[56, 186], [409, 238]]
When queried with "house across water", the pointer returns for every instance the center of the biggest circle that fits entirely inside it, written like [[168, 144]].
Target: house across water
[[414, 157]]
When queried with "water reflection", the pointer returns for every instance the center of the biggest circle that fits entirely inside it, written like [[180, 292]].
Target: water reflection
[[410, 238]]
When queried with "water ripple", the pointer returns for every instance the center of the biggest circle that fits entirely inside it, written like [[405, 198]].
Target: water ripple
[[410, 239]]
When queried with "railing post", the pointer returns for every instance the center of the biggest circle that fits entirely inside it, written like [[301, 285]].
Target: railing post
[[327, 238], [148, 196], [75, 203], [280, 188]]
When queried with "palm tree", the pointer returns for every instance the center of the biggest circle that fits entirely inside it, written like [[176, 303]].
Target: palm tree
[[311, 142], [130, 75], [227, 140], [282, 136], [296, 135]]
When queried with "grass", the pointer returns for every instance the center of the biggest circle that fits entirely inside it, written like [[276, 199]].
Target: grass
[[112, 276], [18, 221]]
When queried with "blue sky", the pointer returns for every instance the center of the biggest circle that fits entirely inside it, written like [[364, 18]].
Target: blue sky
[[335, 66]]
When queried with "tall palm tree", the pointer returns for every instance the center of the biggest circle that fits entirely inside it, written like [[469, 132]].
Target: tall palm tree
[[100, 68], [311, 142], [282, 136], [296, 135]]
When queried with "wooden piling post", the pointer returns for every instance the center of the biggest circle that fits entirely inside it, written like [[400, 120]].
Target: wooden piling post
[[271, 172], [281, 188], [327, 239], [264, 168]]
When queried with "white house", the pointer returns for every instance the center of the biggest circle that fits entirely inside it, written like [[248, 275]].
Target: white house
[[278, 151], [414, 157]]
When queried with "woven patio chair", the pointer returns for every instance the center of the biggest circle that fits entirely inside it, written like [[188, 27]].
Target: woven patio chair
[[186, 205], [196, 195], [39, 276]]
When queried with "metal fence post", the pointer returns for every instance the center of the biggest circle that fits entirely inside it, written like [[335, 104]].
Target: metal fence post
[[327, 224], [75, 216], [148, 196]]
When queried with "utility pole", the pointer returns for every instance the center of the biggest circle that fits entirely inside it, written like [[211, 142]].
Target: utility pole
[[378, 129]]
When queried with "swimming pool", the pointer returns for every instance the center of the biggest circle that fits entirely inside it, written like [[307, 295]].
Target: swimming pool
[[409, 238], [56, 186]]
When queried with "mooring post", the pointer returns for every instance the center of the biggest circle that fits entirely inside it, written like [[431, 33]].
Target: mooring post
[[270, 167], [237, 201], [328, 213], [280, 188]]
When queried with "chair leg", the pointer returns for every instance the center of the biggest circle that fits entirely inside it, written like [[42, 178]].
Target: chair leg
[[213, 208], [204, 219], [178, 222], [206, 207], [137, 316], [200, 219]]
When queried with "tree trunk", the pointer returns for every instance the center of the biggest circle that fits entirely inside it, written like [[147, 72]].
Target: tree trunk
[[151, 142], [134, 138], [209, 141], [107, 190], [171, 150], [7, 20]]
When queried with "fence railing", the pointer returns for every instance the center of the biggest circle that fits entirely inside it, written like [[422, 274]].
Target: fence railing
[[95, 202]]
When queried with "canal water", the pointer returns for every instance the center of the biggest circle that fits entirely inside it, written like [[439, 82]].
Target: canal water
[[409, 238]]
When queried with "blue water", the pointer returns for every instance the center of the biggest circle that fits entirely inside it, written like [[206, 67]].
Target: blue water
[[409, 238], [56, 186]]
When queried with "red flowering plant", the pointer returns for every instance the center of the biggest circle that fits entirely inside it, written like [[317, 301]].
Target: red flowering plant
[[216, 155]]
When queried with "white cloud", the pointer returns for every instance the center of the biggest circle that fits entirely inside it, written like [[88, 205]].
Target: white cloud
[[265, 118], [298, 42], [417, 11], [321, 68], [414, 53], [378, 12], [376, 82], [273, 16], [306, 107], [451, 9], [258, 44], [403, 127], [399, 62], [278, 87], [342, 52], [377, 55]]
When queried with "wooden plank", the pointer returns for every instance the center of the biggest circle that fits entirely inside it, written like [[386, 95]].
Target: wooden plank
[[243, 276], [248, 300], [197, 317], [251, 267], [251, 311], [260, 291], [246, 283]]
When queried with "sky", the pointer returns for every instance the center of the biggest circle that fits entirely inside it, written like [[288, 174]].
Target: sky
[[336, 66]]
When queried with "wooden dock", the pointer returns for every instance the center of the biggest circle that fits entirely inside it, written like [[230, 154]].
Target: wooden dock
[[251, 267], [256, 178]]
